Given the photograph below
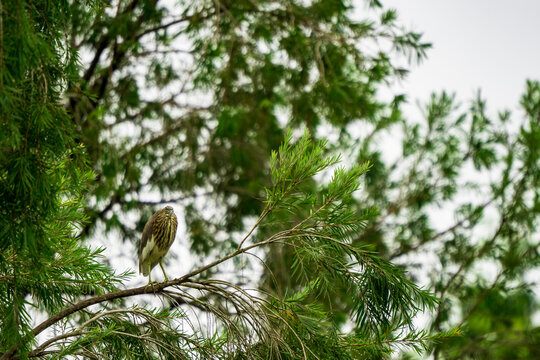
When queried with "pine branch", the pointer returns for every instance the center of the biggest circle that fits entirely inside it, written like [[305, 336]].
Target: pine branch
[[155, 289], [383, 293]]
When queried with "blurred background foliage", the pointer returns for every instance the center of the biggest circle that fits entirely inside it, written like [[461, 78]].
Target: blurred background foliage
[[182, 102]]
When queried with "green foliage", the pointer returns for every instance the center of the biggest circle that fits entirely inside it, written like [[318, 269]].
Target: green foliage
[[224, 72], [190, 102], [323, 252], [249, 326], [43, 175], [321, 238]]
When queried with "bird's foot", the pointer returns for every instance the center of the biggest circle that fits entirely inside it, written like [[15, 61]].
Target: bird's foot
[[150, 284]]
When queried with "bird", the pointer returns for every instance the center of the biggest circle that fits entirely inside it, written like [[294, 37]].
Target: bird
[[157, 237]]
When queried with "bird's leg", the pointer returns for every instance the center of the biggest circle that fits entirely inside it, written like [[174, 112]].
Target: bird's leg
[[162, 269], [150, 283], [149, 277]]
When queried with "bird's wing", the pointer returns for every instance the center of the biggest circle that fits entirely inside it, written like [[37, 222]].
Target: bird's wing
[[146, 236]]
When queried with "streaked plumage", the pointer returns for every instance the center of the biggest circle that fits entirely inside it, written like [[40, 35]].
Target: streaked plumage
[[157, 237]]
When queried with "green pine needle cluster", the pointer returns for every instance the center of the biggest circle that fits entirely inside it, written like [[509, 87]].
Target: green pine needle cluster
[[43, 175]]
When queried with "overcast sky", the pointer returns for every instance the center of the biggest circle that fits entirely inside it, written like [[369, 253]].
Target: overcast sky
[[490, 45]]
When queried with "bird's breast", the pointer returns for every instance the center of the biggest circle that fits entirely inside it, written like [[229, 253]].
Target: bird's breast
[[165, 232]]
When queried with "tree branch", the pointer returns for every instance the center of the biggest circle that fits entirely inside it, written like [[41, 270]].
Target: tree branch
[[147, 289]]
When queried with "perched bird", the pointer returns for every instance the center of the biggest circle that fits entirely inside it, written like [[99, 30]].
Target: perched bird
[[157, 237]]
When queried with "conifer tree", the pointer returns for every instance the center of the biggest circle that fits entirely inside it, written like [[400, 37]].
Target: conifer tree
[[44, 174]]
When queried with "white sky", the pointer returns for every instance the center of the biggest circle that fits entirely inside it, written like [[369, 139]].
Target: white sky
[[490, 45]]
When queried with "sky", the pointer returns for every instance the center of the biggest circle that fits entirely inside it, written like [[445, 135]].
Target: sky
[[490, 45]]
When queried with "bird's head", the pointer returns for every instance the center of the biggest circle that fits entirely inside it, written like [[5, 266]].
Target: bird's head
[[169, 210]]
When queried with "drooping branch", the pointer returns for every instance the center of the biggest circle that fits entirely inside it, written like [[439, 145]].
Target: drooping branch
[[147, 289], [159, 288]]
